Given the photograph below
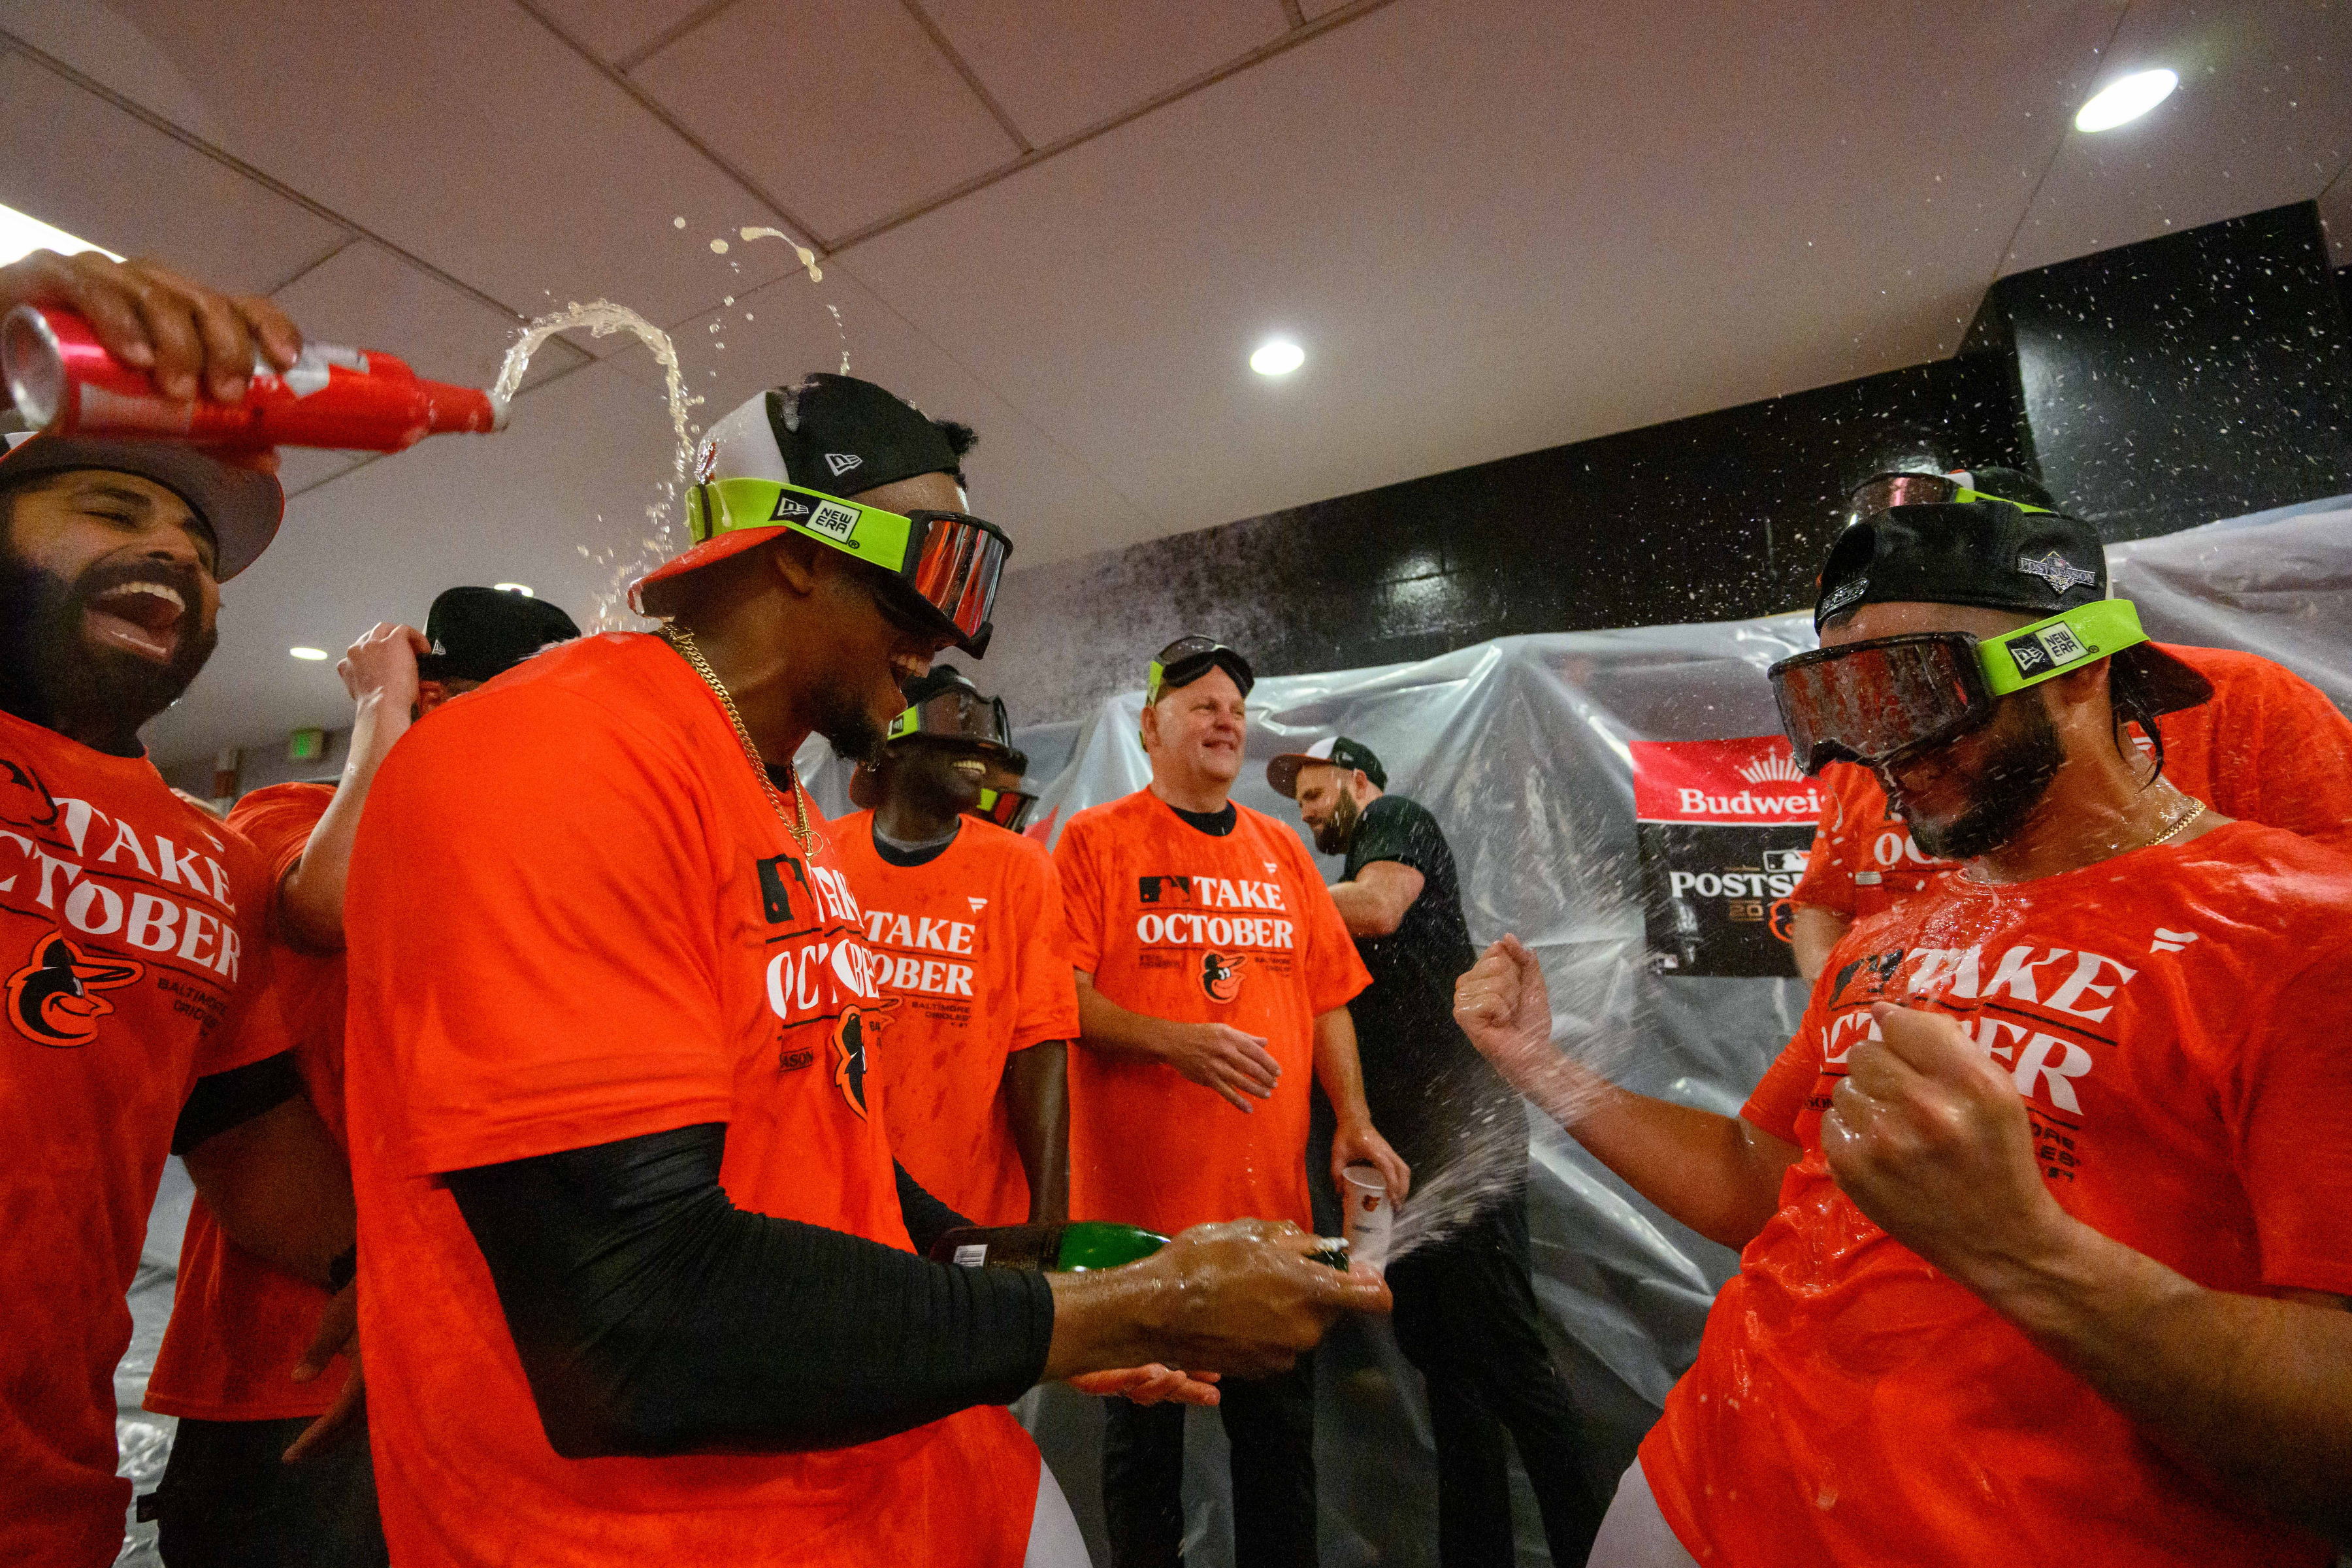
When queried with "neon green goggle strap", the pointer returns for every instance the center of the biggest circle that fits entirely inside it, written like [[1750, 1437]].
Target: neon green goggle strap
[[2065, 641], [1964, 494], [723, 506]]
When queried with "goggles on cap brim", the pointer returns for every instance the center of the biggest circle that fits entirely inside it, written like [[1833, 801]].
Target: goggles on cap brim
[[955, 715], [1876, 701], [1883, 493], [950, 561], [1187, 660]]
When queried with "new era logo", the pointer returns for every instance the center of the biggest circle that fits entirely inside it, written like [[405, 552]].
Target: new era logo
[[834, 521], [790, 508], [841, 462]]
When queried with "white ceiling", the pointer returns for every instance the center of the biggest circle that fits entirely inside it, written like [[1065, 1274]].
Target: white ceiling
[[1496, 225]]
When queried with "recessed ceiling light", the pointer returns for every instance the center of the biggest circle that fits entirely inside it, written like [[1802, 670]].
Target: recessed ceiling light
[[522, 588], [22, 234], [2126, 99], [1277, 356], [307, 652]]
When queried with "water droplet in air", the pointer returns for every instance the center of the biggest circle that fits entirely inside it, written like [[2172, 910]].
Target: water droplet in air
[[678, 223], [718, 247]]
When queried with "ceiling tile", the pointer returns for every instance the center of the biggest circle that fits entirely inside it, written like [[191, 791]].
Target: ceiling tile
[[369, 298], [616, 30], [466, 134], [107, 175], [2262, 117], [842, 108], [301, 469], [1057, 68], [2335, 213], [1311, 9], [1567, 249]]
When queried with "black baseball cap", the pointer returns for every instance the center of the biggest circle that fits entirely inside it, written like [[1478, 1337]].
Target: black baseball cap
[[1347, 756], [477, 633], [2000, 555]]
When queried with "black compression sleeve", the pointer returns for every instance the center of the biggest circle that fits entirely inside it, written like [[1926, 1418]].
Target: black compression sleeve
[[928, 1219], [653, 1316], [221, 1100]]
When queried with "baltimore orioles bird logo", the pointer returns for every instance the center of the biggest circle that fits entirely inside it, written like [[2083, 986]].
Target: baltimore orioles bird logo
[[54, 999], [1874, 970], [856, 1031], [42, 811], [1220, 976]]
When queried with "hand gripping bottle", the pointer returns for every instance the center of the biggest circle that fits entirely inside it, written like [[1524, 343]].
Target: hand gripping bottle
[[65, 382]]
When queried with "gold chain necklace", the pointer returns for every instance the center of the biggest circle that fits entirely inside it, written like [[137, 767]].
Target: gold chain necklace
[[2196, 809], [681, 639]]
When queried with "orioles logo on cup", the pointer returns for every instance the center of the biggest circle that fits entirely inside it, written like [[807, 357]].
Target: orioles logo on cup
[[55, 999], [852, 1034], [1220, 976]]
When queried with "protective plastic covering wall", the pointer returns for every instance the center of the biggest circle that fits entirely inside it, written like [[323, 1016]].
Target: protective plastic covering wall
[[1521, 748]]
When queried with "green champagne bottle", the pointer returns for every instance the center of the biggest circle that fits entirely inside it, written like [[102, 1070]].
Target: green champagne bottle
[[1068, 1248]]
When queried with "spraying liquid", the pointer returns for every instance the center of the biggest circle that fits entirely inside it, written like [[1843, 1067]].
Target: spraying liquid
[[603, 318], [807, 256]]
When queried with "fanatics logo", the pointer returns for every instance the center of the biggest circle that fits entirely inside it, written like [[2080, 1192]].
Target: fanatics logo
[[977, 904], [2055, 569], [841, 462], [1271, 870], [2171, 941]]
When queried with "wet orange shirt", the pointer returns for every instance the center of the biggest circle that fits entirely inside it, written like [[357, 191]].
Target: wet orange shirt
[[238, 1324], [970, 943], [131, 927], [574, 918], [1176, 923], [2172, 1017], [2269, 747]]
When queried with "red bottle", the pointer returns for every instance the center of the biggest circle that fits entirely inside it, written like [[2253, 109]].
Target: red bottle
[[65, 382]]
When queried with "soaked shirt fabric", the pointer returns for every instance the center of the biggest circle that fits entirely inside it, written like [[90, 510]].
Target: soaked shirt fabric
[[574, 918], [238, 1325], [1179, 922], [2173, 1019], [969, 940], [132, 930], [2269, 747]]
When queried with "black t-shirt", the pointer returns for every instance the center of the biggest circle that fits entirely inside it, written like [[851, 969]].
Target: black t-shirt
[[1424, 1079]]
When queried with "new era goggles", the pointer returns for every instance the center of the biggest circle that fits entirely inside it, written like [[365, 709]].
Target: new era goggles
[[1876, 701], [956, 715], [1885, 492], [951, 560], [1187, 660]]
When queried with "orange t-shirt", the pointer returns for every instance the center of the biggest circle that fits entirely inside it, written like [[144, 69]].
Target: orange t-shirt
[[2171, 1017], [971, 942], [238, 1325], [2268, 747], [131, 929], [1175, 922], [574, 918]]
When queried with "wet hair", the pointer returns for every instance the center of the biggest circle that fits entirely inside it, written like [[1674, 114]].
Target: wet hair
[[2128, 700]]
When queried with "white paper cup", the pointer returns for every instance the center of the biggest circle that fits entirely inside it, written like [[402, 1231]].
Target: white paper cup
[[1368, 1217]]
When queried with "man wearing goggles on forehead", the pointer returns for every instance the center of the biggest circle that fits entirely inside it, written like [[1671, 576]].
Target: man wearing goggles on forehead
[[623, 1193], [965, 920], [2042, 1209], [2267, 747]]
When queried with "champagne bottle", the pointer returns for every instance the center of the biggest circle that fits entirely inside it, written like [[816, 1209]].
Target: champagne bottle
[[1070, 1248]]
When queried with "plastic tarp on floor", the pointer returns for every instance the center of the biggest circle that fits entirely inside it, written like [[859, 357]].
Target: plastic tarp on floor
[[1523, 750]]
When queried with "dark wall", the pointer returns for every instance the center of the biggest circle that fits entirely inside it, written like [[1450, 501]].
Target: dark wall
[[2201, 375]]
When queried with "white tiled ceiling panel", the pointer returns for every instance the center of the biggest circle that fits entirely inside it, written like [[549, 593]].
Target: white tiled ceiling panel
[[618, 30], [367, 297], [842, 108], [1057, 69]]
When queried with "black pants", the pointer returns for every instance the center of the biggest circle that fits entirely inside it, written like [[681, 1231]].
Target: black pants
[[1270, 1423], [1466, 1316], [226, 1501]]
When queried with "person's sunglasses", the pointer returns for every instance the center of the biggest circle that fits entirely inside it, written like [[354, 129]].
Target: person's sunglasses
[[1882, 493]]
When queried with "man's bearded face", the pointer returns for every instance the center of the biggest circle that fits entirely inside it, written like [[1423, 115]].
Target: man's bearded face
[[94, 624], [1976, 795], [1335, 832]]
